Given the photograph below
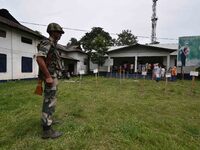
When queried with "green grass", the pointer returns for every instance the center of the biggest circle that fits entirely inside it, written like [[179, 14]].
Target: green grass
[[104, 115]]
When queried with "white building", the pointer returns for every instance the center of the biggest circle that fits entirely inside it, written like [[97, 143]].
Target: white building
[[173, 55], [139, 54], [18, 44], [74, 59]]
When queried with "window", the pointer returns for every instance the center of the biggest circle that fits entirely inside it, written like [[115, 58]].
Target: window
[[2, 33], [26, 40], [27, 64], [3, 63], [85, 61]]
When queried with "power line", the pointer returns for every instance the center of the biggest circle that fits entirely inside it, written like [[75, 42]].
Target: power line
[[147, 37], [82, 30], [37, 24]]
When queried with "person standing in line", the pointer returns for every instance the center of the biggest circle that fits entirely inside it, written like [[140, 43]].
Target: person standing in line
[[163, 73], [158, 72], [154, 67], [174, 73], [49, 62]]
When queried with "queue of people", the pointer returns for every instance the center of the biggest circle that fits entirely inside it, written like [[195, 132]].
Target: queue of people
[[156, 71], [159, 73]]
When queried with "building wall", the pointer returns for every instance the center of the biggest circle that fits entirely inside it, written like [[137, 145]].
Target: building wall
[[5, 48], [172, 60], [139, 52], [15, 50], [93, 66], [108, 62], [81, 64]]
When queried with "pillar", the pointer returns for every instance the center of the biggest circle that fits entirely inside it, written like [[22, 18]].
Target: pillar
[[136, 58]]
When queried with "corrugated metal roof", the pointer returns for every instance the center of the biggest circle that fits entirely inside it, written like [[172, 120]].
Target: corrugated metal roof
[[175, 53], [5, 13], [61, 47], [112, 49], [70, 58], [116, 47], [7, 19], [168, 46], [74, 48], [69, 50]]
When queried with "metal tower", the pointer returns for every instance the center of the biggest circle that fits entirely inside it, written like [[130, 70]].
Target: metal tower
[[154, 21]]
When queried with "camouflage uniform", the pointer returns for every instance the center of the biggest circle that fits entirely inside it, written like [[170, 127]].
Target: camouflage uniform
[[47, 49]]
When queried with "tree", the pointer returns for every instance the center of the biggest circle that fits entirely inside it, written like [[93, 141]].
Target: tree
[[95, 44], [73, 41], [114, 42], [126, 38], [100, 49]]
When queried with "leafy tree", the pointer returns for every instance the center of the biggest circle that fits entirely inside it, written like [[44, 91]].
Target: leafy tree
[[126, 38], [73, 41], [95, 44], [114, 42], [100, 49]]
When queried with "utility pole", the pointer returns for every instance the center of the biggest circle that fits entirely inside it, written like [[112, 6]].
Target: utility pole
[[154, 21]]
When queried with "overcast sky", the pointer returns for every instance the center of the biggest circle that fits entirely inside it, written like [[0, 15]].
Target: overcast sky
[[175, 18]]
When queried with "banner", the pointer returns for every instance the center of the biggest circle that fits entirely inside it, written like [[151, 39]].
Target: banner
[[189, 51]]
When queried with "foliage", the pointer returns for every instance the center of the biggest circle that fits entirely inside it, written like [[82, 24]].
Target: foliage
[[73, 41], [126, 38], [136, 114], [100, 49], [96, 44], [114, 42]]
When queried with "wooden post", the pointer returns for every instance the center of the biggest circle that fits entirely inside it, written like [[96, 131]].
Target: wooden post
[[81, 73], [166, 81], [193, 83], [110, 72], [193, 74], [142, 85], [144, 73], [120, 75], [182, 73], [96, 78], [81, 77], [168, 75], [124, 74], [95, 71]]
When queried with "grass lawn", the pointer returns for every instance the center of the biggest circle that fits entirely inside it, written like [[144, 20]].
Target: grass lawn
[[104, 115]]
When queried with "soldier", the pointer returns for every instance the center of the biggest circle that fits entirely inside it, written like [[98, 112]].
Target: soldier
[[49, 63]]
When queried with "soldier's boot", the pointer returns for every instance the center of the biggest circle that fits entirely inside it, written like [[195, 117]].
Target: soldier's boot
[[50, 133]]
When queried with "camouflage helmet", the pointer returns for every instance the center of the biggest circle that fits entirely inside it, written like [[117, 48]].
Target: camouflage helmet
[[54, 27]]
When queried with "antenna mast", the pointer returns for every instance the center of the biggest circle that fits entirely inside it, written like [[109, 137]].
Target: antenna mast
[[154, 21]]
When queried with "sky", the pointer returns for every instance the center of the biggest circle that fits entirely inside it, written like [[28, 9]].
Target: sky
[[175, 18]]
